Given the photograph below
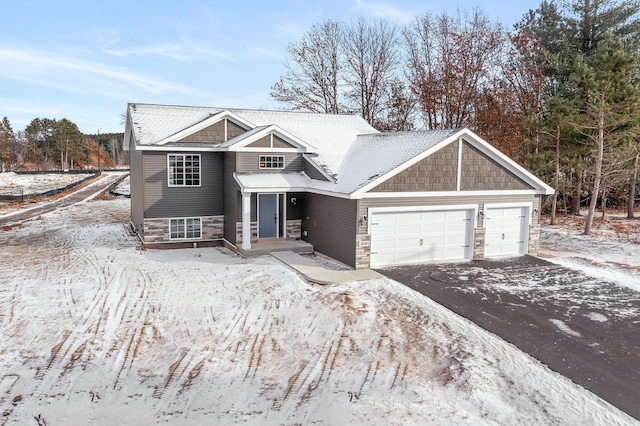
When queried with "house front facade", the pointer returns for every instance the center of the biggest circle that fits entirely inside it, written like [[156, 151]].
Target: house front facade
[[367, 199]]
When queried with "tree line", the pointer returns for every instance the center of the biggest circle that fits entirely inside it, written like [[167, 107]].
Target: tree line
[[50, 144], [559, 92]]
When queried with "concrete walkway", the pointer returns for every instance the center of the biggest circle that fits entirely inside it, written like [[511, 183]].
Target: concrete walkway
[[316, 273]]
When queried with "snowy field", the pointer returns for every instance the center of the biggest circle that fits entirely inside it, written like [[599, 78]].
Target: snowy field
[[16, 184], [612, 251], [94, 330]]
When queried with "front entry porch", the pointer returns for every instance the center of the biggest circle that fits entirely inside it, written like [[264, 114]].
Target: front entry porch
[[266, 246]]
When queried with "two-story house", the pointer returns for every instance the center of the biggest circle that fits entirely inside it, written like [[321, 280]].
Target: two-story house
[[368, 199]]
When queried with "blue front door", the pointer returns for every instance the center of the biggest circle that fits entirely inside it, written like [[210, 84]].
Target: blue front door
[[267, 215]]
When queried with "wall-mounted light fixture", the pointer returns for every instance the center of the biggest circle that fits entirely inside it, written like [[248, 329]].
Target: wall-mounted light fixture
[[480, 215], [293, 200], [363, 220]]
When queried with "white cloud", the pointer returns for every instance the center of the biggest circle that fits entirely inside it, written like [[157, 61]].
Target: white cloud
[[177, 51], [73, 74], [266, 52], [382, 10], [172, 51]]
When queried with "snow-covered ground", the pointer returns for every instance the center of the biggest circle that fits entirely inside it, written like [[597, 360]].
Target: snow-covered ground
[[94, 330], [612, 251], [124, 187], [17, 184]]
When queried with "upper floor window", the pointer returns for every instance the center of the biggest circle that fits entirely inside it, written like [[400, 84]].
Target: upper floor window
[[272, 161], [184, 169]]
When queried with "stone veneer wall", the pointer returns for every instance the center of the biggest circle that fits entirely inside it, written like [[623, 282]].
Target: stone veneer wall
[[534, 239], [254, 232], [478, 243], [294, 229], [363, 251], [157, 230]]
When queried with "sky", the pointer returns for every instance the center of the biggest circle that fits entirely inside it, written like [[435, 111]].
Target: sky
[[85, 60]]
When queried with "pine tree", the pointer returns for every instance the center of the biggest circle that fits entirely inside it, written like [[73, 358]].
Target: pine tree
[[8, 148], [609, 100]]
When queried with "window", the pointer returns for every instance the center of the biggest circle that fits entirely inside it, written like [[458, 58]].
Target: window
[[186, 228], [184, 169], [272, 161]]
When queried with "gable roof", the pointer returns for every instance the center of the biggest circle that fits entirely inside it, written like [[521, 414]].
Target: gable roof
[[330, 134], [374, 157], [354, 155], [241, 141]]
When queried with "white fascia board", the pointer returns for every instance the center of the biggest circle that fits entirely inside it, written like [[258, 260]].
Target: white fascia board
[[318, 168], [204, 124], [407, 164], [301, 146], [289, 189], [127, 132], [176, 148], [445, 194], [515, 168], [272, 189]]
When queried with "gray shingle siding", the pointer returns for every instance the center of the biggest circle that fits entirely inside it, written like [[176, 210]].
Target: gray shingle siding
[[160, 200], [438, 172], [330, 224], [480, 173]]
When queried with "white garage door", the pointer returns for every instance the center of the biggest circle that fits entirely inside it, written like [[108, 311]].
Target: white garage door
[[421, 236], [507, 231]]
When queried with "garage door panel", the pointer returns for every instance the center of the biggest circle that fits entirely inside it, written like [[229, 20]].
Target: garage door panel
[[421, 236], [506, 231]]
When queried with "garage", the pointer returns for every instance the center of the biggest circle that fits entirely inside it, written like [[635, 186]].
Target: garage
[[417, 236], [507, 230]]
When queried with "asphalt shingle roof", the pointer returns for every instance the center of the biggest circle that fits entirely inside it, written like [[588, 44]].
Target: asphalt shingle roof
[[348, 148]]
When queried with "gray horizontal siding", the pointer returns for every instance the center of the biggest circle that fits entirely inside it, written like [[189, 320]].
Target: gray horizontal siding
[[231, 197], [137, 181], [160, 200], [330, 224], [312, 171], [365, 204], [250, 162]]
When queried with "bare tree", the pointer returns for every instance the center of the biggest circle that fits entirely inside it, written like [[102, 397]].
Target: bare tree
[[399, 109], [312, 78], [371, 54], [449, 61]]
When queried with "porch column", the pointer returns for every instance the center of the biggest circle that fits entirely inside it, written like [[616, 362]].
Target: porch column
[[246, 220]]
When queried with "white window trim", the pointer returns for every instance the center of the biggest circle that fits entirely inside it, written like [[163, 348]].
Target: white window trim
[[173, 185], [272, 168], [185, 228]]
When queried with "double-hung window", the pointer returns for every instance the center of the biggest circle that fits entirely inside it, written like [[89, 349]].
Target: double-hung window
[[184, 169], [272, 161], [186, 228]]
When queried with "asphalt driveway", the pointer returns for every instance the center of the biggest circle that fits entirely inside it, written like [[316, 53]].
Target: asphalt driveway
[[583, 327]]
